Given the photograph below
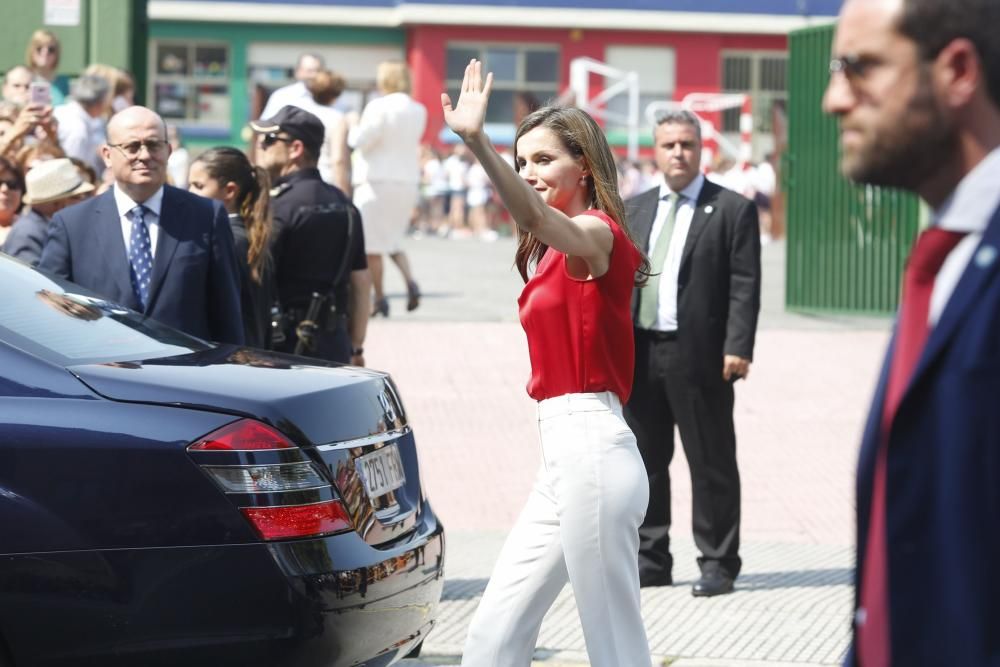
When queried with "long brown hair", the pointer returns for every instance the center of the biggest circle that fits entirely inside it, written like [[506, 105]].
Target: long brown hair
[[584, 140], [253, 198]]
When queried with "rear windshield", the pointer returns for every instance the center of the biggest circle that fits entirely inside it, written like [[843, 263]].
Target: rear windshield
[[67, 325]]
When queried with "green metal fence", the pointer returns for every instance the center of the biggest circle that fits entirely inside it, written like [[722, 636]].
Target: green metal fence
[[846, 244], [111, 32]]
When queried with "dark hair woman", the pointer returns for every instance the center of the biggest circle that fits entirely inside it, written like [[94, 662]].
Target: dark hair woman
[[579, 264], [11, 193], [225, 174]]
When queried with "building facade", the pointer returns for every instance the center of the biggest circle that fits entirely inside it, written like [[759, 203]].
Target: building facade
[[212, 64]]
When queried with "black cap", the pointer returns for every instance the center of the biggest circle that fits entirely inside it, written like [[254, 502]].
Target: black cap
[[296, 123]]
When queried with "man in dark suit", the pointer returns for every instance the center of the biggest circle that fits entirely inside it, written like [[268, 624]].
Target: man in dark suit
[[695, 323], [915, 85], [150, 246]]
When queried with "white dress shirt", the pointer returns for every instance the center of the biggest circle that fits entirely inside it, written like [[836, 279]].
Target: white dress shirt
[[80, 134], [666, 311], [282, 97], [125, 205], [332, 120], [968, 209]]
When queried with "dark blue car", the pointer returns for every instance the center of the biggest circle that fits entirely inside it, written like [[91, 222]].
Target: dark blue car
[[167, 501]]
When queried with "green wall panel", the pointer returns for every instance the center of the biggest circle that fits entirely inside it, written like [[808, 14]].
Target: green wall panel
[[846, 243], [106, 33]]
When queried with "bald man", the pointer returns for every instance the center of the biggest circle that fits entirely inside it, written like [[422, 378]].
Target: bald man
[[16, 84], [147, 245]]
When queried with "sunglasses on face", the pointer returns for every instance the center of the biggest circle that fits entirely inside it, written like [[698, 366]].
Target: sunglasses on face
[[131, 149], [10, 183], [271, 138]]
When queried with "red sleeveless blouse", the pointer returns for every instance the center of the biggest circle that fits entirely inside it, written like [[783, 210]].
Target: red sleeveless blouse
[[580, 331]]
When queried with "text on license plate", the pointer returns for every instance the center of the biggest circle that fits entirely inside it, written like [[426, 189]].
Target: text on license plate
[[381, 471]]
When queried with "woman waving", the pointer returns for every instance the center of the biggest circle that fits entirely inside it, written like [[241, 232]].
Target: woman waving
[[579, 265]]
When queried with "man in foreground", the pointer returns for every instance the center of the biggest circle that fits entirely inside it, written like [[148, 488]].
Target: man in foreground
[[915, 85]]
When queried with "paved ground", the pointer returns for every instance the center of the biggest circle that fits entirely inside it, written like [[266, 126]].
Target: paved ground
[[461, 363]]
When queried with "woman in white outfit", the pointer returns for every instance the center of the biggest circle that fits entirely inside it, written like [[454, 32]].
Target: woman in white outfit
[[581, 521], [387, 175]]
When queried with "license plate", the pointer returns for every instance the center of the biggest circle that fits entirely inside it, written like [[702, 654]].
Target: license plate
[[381, 471]]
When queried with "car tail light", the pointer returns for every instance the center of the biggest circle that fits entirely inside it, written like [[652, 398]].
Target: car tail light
[[266, 478], [243, 435], [254, 464], [288, 521]]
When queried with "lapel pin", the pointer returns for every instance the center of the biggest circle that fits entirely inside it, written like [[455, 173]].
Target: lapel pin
[[709, 209], [986, 256]]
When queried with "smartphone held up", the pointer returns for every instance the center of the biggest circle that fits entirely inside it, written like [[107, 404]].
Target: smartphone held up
[[40, 93]]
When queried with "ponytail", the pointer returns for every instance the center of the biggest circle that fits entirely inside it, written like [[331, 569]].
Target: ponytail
[[253, 200]]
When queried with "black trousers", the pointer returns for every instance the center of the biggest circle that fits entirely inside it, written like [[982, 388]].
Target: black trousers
[[663, 395]]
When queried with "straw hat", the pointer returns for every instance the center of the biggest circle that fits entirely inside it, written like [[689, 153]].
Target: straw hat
[[53, 180]]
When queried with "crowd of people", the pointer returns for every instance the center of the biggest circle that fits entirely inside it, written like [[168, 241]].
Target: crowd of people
[[44, 117], [298, 265], [458, 201]]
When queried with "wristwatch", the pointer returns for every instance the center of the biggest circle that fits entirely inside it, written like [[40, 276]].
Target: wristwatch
[[357, 351]]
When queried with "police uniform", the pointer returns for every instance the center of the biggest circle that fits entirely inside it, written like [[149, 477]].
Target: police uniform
[[311, 239]]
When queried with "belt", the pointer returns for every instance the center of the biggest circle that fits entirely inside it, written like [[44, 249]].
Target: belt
[[329, 320], [658, 336]]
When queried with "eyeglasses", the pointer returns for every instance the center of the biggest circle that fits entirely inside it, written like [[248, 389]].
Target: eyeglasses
[[46, 49], [271, 138], [132, 148], [853, 66], [11, 184]]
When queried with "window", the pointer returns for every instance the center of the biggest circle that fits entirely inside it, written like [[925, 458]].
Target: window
[[656, 67], [516, 68], [190, 83], [761, 74]]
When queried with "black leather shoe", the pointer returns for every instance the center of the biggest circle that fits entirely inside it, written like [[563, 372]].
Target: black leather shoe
[[712, 583], [651, 579]]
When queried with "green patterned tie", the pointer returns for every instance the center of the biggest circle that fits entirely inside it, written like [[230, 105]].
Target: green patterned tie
[[649, 296]]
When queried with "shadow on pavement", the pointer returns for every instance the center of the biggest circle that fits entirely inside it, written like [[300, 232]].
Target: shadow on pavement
[[467, 589], [839, 576]]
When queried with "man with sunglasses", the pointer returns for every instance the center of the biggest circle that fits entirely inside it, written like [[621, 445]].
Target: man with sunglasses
[[915, 86], [318, 247], [147, 245]]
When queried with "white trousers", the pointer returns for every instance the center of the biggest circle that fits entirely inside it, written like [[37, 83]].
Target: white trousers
[[581, 523]]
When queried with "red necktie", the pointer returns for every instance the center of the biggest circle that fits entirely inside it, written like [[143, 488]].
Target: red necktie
[[929, 253]]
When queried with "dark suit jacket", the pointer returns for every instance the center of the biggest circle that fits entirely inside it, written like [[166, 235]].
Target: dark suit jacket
[[718, 288], [943, 484], [26, 237], [195, 282]]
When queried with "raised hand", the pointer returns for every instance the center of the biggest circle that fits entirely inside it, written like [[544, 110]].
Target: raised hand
[[466, 118]]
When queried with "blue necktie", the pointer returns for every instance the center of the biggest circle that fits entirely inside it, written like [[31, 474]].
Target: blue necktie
[[140, 256]]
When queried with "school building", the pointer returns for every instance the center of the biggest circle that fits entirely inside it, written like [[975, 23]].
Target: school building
[[211, 65]]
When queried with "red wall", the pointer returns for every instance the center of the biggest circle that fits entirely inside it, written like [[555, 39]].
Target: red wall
[[698, 55]]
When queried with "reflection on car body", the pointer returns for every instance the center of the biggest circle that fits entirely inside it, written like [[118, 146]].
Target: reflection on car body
[[166, 499]]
